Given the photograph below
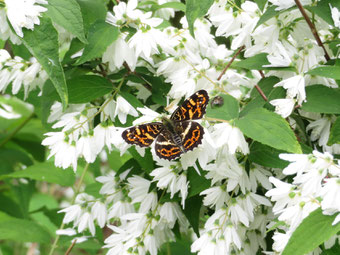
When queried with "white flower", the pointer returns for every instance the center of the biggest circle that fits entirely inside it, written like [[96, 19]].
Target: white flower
[[118, 53], [98, 211], [123, 108], [86, 221], [24, 13], [320, 130], [72, 213], [284, 107], [7, 112], [64, 152], [295, 87], [335, 16], [285, 4], [280, 194], [224, 133], [330, 193], [215, 196]]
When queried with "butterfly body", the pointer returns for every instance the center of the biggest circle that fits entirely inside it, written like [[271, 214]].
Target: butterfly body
[[176, 135]]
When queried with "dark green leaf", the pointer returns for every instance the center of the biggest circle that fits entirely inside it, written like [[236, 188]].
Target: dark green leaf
[[227, 111], [326, 71], [269, 128], [146, 162], [192, 211], [317, 227], [334, 136], [9, 206], [266, 156], [66, 13], [101, 35], [85, 88], [196, 9], [42, 42], [322, 99], [197, 182], [46, 171], [20, 230], [335, 250], [131, 99]]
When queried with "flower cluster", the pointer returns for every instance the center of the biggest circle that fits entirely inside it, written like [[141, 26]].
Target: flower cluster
[[316, 183], [21, 73]]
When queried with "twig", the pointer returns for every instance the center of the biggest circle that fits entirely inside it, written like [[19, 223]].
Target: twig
[[71, 247], [261, 92], [230, 62], [147, 84], [262, 74], [312, 28]]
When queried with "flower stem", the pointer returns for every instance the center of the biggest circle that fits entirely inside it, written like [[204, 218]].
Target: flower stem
[[312, 28], [261, 92], [230, 62], [10, 136], [76, 192]]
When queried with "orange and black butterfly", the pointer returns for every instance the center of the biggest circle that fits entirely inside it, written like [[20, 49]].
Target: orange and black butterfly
[[176, 135]]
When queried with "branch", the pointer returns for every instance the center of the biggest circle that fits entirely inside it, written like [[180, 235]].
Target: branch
[[71, 247], [230, 62], [312, 28], [261, 92]]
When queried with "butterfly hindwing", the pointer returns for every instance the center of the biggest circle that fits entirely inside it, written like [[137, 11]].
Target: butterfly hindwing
[[143, 135], [193, 108], [191, 134], [165, 147]]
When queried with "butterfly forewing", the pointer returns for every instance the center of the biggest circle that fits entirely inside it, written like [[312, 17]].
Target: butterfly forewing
[[142, 135], [193, 108], [165, 147]]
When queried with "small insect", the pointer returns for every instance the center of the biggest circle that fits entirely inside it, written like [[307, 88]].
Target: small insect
[[176, 135], [217, 101]]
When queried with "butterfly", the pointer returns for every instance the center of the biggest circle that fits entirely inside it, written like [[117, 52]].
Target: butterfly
[[175, 135]]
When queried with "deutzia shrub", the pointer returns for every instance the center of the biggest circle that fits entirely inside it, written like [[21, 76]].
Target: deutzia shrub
[[76, 75]]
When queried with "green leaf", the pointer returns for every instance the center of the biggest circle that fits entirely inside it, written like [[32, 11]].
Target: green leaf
[[192, 211], [173, 5], [227, 111], [334, 136], [270, 129], [92, 10], [266, 156], [329, 102], [42, 42], [326, 71], [101, 35], [131, 99], [196, 9], [20, 230], [197, 182], [268, 14], [66, 13], [145, 162], [85, 88], [45, 172], [9, 206], [322, 9], [317, 227], [255, 62]]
